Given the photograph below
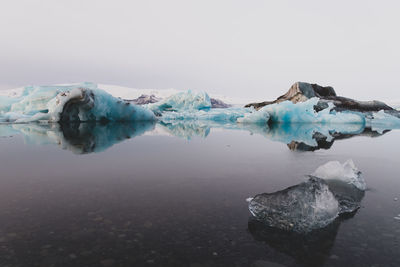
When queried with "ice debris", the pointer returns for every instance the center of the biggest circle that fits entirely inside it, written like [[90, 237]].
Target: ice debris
[[312, 204], [347, 172]]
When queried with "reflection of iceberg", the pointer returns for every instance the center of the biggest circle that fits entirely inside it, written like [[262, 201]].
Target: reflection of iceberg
[[81, 138], [309, 133], [310, 249], [186, 130], [313, 204], [298, 136]]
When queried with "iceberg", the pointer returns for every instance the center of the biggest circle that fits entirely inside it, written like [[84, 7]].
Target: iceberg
[[86, 102], [313, 204], [182, 101], [82, 102], [301, 112], [191, 106]]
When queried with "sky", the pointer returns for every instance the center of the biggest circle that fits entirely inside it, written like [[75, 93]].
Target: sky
[[238, 48]]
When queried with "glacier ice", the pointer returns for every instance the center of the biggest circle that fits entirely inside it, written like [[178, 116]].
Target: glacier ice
[[182, 101], [82, 102], [313, 204], [347, 172], [288, 112], [86, 102], [300, 208]]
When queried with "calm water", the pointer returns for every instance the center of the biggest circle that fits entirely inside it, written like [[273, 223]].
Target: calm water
[[174, 195]]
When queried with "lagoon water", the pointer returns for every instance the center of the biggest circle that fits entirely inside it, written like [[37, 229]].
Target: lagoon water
[[175, 195]]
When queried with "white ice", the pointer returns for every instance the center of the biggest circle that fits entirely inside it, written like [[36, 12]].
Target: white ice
[[347, 172]]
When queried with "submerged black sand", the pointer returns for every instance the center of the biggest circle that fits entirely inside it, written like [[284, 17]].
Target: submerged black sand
[[167, 201]]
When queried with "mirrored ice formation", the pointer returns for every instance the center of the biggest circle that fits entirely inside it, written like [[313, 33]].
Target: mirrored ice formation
[[80, 138]]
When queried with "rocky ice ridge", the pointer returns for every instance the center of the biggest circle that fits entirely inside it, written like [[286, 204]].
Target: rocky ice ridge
[[313, 204], [303, 103], [301, 92]]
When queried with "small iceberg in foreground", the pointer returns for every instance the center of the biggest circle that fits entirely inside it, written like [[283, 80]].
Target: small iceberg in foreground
[[313, 204]]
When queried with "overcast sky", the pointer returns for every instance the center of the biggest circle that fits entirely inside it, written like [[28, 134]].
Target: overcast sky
[[237, 48]]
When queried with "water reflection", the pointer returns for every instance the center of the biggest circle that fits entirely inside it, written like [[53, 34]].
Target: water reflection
[[96, 137], [297, 136], [311, 249], [80, 138]]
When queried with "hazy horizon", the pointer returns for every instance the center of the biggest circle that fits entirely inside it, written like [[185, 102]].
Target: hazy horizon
[[234, 48]]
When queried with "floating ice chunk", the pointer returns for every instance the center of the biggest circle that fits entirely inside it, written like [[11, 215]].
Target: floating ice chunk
[[312, 204], [289, 112], [347, 172], [300, 208], [83, 102]]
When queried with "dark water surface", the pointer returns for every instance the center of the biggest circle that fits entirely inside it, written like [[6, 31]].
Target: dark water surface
[[158, 200]]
